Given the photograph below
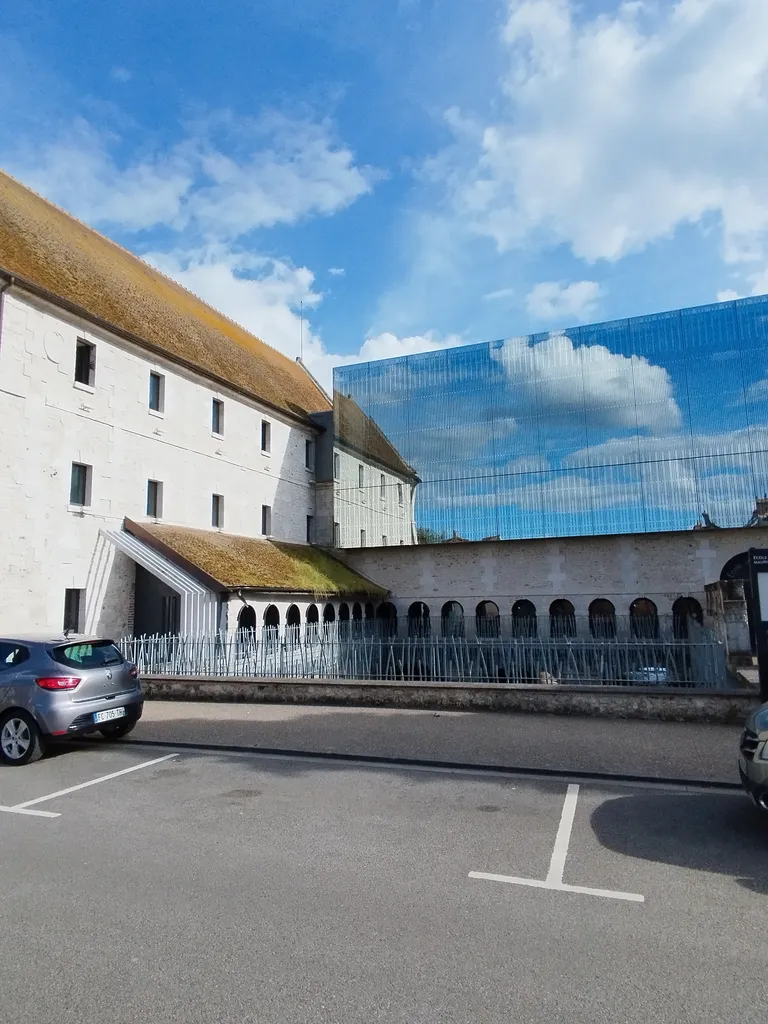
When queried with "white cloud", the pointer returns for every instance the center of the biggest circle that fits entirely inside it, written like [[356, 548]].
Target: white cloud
[[555, 377], [552, 301], [621, 126], [727, 295], [228, 177], [502, 293], [336, 271], [264, 296]]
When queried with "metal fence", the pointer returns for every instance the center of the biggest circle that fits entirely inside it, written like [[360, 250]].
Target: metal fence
[[340, 651]]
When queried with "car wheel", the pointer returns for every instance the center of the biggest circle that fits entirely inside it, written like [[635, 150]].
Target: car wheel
[[117, 730], [20, 738]]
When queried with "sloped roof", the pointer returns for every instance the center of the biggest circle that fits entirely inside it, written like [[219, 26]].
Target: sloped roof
[[358, 431], [248, 563], [49, 250]]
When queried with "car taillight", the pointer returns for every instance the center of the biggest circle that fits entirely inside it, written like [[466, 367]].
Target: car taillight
[[58, 682], [133, 672]]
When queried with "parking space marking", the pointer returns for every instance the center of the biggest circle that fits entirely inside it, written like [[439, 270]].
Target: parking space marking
[[24, 810], [554, 880], [22, 807]]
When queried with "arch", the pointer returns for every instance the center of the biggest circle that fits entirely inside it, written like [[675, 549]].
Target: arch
[[452, 619], [524, 622], [644, 618], [736, 568], [386, 619], [343, 612], [418, 619], [313, 616], [329, 613], [487, 619], [357, 612], [293, 616], [683, 610], [271, 617], [562, 618], [602, 619], [369, 612], [247, 617]]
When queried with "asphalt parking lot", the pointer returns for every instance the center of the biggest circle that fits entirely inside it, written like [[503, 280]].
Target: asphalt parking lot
[[240, 888]]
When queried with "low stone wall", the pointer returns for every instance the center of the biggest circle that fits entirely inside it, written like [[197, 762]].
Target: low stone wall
[[657, 703]]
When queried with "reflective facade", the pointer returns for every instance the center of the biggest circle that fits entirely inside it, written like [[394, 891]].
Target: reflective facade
[[653, 423]]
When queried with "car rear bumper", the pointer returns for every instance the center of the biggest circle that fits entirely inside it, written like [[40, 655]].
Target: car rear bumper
[[74, 721]]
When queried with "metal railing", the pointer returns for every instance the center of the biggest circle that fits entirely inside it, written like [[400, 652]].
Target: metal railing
[[340, 651]]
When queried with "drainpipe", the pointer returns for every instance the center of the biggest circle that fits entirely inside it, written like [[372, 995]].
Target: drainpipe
[[3, 289]]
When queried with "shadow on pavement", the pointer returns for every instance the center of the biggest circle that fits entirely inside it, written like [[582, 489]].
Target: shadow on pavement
[[715, 832]]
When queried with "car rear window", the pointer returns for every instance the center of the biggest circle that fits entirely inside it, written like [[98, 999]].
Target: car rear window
[[96, 654]]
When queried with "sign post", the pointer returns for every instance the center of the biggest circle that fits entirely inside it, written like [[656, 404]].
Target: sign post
[[758, 571]]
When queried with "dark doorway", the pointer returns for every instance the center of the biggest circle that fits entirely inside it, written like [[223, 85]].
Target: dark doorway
[[524, 621], [602, 619], [487, 619], [562, 619], [247, 618], [644, 619], [418, 619], [157, 606], [685, 610], [386, 619], [452, 619]]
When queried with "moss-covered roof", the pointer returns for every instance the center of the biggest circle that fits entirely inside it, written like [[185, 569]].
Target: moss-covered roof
[[354, 429], [248, 563], [47, 248]]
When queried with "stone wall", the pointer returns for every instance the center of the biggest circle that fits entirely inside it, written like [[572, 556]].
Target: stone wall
[[659, 566], [609, 702]]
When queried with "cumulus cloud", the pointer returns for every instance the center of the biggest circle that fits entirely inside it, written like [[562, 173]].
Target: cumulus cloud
[[618, 127], [550, 300], [555, 377], [229, 175]]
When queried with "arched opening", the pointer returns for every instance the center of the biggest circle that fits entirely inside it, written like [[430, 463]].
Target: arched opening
[[329, 613], [452, 619], [562, 619], [644, 619], [418, 619], [271, 617], [736, 568], [313, 619], [524, 622], [293, 617], [343, 612], [357, 612], [602, 619], [247, 617], [736, 571], [487, 619], [685, 610], [386, 619]]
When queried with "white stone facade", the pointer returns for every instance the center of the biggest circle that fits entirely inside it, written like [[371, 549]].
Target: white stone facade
[[372, 505], [50, 422]]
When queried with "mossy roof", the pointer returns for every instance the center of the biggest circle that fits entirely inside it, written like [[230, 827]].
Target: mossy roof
[[48, 249], [247, 563]]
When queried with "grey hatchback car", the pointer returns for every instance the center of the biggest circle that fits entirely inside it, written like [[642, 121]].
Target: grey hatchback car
[[53, 688]]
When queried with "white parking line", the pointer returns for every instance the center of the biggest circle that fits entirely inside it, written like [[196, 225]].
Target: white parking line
[[554, 880], [22, 808], [37, 814]]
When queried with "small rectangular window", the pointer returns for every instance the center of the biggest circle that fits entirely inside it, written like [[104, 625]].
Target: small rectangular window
[[400, 494], [266, 436], [85, 363], [156, 392], [362, 538], [308, 454], [73, 607], [336, 466], [383, 487], [337, 535], [361, 476], [266, 520], [217, 511], [217, 417], [310, 529], [154, 499], [384, 540], [80, 485]]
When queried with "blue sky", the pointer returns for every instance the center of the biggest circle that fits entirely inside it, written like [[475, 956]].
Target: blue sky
[[417, 173]]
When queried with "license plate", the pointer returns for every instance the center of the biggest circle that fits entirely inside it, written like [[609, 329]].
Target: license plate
[[108, 716]]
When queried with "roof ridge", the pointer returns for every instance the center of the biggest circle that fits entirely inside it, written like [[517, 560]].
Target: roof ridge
[[161, 273]]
